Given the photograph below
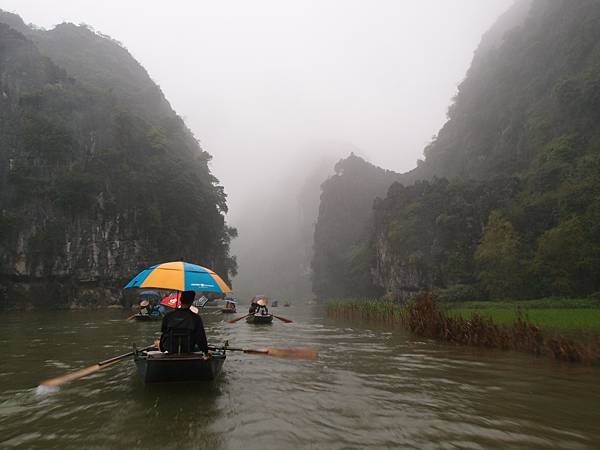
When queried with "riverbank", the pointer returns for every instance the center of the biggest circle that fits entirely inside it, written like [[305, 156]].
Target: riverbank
[[564, 330], [567, 316]]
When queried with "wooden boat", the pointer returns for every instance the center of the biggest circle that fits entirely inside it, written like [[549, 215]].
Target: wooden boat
[[274, 304], [229, 307], [159, 367], [259, 318], [146, 318]]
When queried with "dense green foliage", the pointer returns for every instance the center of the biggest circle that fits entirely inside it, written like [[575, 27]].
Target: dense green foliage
[[520, 214], [99, 176]]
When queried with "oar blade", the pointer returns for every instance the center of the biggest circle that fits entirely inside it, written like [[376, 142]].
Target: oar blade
[[59, 381], [297, 353], [283, 319], [63, 379]]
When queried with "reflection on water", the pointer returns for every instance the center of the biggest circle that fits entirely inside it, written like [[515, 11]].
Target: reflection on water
[[371, 387]]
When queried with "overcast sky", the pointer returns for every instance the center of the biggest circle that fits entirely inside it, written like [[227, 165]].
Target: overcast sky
[[261, 81]]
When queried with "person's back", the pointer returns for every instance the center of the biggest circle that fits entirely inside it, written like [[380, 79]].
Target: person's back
[[253, 307], [183, 323]]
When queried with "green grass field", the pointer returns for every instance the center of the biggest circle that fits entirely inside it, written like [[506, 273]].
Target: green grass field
[[558, 315]]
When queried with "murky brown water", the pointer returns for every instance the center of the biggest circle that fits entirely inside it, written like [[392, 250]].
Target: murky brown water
[[370, 388]]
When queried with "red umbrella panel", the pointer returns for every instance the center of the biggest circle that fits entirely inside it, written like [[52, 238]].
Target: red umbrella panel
[[172, 300]]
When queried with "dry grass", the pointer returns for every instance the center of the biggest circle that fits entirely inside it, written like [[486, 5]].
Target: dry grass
[[424, 318]]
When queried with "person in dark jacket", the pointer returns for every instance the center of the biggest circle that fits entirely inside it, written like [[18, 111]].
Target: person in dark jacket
[[253, 305], [182, 320]]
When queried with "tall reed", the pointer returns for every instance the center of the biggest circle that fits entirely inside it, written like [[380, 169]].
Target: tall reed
[[369, 309], [424, 318]]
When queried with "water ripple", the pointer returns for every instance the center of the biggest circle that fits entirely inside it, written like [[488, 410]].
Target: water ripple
[[371, 387]]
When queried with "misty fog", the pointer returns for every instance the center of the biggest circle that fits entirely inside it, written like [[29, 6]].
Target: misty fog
[[278, 91]]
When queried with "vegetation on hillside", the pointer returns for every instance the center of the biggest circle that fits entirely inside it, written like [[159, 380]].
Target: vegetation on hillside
[[98, 178], [506, 203]]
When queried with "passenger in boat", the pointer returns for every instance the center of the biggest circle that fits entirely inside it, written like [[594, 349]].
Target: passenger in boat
[[253, 306], [183, 320], [262, 307], [145, 308], [229, 304]]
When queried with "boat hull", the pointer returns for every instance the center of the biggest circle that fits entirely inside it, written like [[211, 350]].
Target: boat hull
[[260, 319], [228, 311], [157, 367], [145, 318]]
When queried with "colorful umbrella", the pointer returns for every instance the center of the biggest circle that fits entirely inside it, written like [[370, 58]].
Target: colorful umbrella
[[171, 300], [179, 276]]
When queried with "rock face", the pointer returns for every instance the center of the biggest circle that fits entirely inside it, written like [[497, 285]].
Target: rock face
[[98, 176], [505, 203], [400, 279], [342, 251]]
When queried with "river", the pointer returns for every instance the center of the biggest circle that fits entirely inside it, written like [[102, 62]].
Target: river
[[371, 387]]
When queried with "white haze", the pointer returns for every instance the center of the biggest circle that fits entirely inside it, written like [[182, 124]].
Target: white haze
[[265, 85]]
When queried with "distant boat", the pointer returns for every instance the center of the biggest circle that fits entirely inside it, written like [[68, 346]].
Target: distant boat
[[287, 304], [229, 307], [146, 317], [259, 318], [274, 304]]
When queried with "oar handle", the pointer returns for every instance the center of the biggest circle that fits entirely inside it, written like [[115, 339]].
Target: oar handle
[[124, 355], [234, 349], [300, 353], [239, 318]]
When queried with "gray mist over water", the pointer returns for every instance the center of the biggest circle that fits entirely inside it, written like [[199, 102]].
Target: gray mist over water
[[278, 91]]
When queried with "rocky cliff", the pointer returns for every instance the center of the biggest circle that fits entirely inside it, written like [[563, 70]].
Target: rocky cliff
[[98, 176], [521, 151], [343, 251], [506, 202]]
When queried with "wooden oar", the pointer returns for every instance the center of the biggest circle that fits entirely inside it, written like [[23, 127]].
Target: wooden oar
[[239, 318], [59, 381], [300, 353], [283, 319], [132, 316]]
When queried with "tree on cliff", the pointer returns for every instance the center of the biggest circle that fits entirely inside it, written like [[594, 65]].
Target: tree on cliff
[[499, 258]]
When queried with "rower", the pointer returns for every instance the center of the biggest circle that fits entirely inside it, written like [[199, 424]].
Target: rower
[[182, 329], [262, 307], [253, 305]]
